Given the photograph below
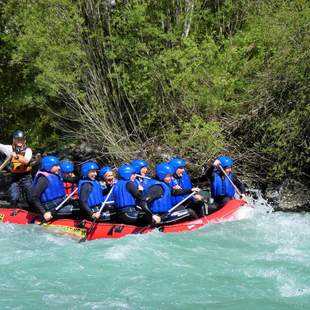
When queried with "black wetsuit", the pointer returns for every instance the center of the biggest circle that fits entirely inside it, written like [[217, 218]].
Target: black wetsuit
[[107, 214], [156, 191], [219, 201], [135, 215], [197, 206], [40, 186], [107, 189]]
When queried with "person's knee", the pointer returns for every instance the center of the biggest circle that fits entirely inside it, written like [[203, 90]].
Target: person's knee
[[14, 192], [192, 214]]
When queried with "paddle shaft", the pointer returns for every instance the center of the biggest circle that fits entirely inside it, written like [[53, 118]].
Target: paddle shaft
[[92, 226], [232, 183], [178, 204], [143, 176], [67, 198], [5, 162], [106, 200]]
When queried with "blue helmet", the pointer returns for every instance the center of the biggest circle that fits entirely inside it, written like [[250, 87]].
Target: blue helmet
[[18, 134], [104, 170], [48, 162], [177, 163], [226, 161], [126, 171], [162, 169], [86, 167], [66, 166], [138, 164]]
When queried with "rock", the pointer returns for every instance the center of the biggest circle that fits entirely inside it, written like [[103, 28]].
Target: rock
[[291, 195]]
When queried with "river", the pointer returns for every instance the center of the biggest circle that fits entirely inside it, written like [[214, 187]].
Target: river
[[261, 260]]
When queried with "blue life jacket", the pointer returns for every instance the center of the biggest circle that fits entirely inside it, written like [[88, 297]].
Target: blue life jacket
[[222, 187], [55, 190], [122, 198], [173, 182], [145, 183], [162, 204], [95, 197], [185, 183]]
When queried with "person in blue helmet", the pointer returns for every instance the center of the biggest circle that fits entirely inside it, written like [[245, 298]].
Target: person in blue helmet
[[141, 168], [70, 180], [90, 193], [182, 180], [107, 179], [221, 188], [158, 196], [127, 198], [20, 157], [49, 191]]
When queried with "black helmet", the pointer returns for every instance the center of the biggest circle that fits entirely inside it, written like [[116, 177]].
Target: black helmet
[[18, 134]]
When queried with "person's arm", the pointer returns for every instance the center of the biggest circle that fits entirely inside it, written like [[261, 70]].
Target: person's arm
[[238, 183], [133, 190], [84, 194], [6, 149], [180, 192], [131, 187], [39, 188], [154, 192], [23, 159]]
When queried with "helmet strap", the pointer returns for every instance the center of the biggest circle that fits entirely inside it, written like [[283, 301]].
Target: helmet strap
[[17, 149]]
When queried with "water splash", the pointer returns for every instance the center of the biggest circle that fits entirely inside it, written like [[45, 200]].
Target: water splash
[[259, 261]]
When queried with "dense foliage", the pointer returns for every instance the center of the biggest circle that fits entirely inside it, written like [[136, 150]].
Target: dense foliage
[[193, 77]]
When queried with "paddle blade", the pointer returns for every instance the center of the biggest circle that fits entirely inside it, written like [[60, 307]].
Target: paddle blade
[[82, 239]]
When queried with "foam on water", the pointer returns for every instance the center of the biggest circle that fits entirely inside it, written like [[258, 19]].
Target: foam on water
[[259, 261]]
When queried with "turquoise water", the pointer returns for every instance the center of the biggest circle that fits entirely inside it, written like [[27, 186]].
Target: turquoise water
[[259, 262]]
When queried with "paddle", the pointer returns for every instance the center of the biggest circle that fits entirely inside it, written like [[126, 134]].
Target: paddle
[[5, 162], [233, 184], [67, 198], [178, 204], [92, 227], [143, 176], [60, 205]]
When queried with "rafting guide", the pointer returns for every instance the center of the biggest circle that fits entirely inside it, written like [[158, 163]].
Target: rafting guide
[[19, 156]]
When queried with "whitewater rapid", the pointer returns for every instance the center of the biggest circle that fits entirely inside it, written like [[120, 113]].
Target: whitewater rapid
[[260, 260]]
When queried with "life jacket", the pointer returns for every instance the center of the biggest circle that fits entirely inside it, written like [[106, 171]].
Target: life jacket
[[122, 198], [173, 182], [55, 190], [95, 197], [16, 166], [184, 182], [162, 204], [144, 182], [69, 188], [222, 186]]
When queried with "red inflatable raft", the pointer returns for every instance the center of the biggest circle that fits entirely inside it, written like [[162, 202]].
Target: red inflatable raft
[[79, 228]]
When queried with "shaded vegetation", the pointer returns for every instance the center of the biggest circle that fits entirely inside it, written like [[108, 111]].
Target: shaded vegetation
[[193, 77]]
